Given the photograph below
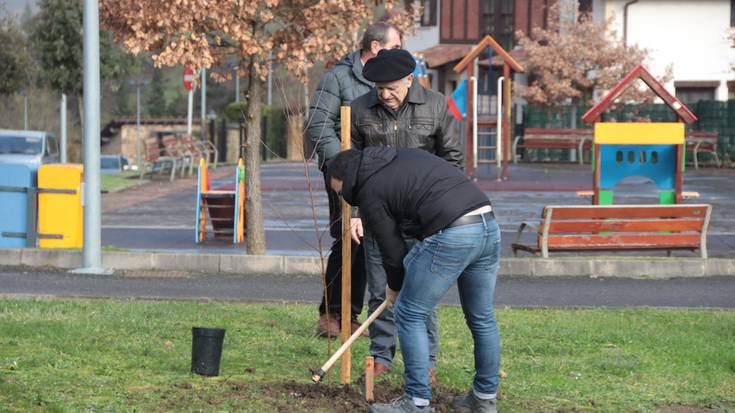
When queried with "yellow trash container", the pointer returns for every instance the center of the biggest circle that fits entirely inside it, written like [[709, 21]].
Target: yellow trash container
[[60, 215]]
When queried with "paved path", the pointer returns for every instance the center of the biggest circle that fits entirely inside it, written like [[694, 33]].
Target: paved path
[[160, 216], [712, 292]]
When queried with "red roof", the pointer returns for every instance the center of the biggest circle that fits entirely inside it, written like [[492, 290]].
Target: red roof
[[639, 72]]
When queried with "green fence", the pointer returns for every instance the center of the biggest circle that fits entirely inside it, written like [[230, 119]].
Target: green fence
[[714, 116]]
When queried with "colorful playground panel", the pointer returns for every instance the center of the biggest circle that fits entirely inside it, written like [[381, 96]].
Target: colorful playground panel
[[639, 133], [14, 183], [60, 214], [226, 207]]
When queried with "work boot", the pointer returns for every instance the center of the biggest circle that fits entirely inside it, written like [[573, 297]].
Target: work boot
[[403, 404], [355, 325], [328, 326], [469, 403]]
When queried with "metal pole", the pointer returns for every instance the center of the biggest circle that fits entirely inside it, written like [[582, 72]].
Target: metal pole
[[62, 132], [237, 86], [92, 262], [137, 125], [203, 105], [25, 111], [190, 109], [270, 79]]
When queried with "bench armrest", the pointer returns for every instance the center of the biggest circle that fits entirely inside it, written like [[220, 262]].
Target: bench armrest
[[520, 230]]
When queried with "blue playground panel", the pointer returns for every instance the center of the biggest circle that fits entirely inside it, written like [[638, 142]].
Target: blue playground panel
[[655, 162], [14, 217]]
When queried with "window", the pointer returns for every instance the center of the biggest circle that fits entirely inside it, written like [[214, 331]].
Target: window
[[496, 19], [585, 8], [694, 91], [731, 89], [428, 12], [732, 13]]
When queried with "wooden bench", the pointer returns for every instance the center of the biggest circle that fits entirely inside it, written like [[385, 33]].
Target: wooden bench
[[535, 138], [619, 228], [701, 141], [153, 157]]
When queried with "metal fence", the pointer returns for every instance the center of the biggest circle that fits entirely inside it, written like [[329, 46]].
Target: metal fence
[[714, 116]]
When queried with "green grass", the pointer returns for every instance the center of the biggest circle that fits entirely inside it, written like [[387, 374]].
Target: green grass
[[119, 181], [134, 356]]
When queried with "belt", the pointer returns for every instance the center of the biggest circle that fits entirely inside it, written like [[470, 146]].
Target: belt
[[471, 219]]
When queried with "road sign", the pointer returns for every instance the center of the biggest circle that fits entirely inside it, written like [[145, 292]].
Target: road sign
[[189, 76]]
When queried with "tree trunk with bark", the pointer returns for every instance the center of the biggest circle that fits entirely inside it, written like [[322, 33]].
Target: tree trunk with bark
[[255, 234]]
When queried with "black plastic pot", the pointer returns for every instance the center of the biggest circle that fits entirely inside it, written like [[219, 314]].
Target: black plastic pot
[[206, 350]]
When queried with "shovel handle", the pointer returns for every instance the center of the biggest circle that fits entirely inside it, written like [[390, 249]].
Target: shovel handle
[[317, 376]]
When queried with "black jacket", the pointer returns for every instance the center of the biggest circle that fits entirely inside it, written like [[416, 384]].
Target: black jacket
[[423, 121], [391, 186], [338, 87]]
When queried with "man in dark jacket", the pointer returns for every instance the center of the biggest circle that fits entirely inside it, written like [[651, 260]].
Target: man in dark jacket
[[398, 113], [459, 241], [338, 87]]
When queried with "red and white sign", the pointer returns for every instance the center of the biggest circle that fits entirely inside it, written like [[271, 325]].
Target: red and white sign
[[189, 77]]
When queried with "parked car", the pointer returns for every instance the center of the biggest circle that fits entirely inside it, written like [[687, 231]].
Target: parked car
[[110, 164], [32, 148]]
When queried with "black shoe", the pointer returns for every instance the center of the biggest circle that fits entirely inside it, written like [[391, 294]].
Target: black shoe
[[403, 404]]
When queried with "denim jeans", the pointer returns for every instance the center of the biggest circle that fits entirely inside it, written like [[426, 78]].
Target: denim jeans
[[383, 329], [466, 254]]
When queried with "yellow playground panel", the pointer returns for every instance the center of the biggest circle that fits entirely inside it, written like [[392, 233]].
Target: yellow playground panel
[[60, 216], [653, 133]]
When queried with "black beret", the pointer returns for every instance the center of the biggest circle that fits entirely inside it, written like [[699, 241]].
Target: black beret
[[389, 65]]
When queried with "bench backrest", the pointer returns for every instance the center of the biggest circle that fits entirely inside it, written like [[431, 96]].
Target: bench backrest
[[170, 145], [540, 133], [152, 150], [621, 226]]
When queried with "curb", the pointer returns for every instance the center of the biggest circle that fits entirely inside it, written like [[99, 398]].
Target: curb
[[624, 267]]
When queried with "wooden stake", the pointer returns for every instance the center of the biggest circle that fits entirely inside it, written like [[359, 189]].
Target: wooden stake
[[346, 325], [369, 378]]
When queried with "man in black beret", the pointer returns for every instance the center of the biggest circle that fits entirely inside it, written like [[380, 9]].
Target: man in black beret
[[400, 113]]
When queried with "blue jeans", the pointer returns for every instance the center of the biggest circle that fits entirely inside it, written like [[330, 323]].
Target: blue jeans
[[466, 254], [383, 329]]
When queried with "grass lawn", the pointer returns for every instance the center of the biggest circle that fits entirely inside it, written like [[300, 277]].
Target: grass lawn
[[119, 181], [134, 356]]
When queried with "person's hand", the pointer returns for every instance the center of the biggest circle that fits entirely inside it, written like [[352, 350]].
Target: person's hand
[[390, 296], [356, 229]]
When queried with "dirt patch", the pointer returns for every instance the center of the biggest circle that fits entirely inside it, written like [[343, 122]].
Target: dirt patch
[[300, 397]]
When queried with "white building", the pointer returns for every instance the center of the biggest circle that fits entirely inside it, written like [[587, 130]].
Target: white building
[[691, 36]]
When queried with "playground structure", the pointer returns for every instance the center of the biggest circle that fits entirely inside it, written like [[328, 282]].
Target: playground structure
[[652, 150], [226, 207], [502, 123]]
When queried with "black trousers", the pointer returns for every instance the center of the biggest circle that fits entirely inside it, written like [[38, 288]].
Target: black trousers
[[334, 263]]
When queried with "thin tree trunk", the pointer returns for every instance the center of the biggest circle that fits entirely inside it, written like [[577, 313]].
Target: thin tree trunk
[[80, 107], [255, 240]]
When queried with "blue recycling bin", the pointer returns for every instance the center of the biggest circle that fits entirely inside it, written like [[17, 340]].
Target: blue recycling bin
[[15, 180]]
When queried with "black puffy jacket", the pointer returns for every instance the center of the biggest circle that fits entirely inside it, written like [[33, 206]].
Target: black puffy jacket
[[338, 87], [394, 186], [423, 121]]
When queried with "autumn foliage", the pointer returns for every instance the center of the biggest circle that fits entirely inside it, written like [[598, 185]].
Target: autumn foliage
[[215, 34], [573, 58], [205, 33]]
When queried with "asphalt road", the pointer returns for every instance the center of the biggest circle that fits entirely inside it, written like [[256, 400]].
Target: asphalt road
[[710, 292]]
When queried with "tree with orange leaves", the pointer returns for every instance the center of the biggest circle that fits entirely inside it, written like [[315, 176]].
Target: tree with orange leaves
[[206, 33], [576, 56]]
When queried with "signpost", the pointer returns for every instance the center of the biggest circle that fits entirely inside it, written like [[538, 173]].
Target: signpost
[[189, 76]]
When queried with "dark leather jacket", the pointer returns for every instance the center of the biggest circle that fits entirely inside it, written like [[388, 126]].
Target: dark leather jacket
[[423, 121]]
